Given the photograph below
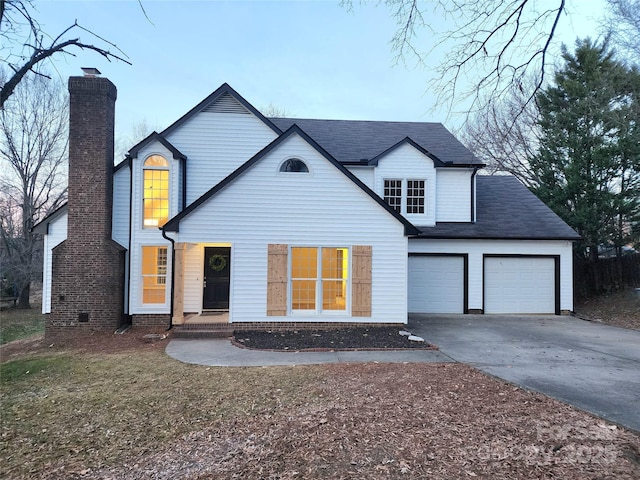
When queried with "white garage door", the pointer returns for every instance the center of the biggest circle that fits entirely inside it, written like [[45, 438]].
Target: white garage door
[[519, 285], [436, 284]]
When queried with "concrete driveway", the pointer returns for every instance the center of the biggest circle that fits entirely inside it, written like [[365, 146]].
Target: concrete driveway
[[589, 365]]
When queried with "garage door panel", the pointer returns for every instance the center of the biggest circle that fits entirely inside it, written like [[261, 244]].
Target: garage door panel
[[436, 284], [519, 285]]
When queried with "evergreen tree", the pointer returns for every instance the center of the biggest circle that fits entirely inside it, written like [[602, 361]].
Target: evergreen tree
[[588, 163]]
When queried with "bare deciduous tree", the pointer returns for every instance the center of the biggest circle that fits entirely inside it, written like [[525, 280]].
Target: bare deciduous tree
[[33, 152], [24, 45], [487, 46], [272, 110], [505, 135], [624, 26]]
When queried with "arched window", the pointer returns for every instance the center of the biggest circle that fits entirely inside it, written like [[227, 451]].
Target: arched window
[[294, 165], [156, 192]]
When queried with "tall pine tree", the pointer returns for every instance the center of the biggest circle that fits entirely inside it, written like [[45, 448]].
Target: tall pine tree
[[588, 163]]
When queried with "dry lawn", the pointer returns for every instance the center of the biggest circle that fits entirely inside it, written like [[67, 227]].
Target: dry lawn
[[620, 309], [127, 411]]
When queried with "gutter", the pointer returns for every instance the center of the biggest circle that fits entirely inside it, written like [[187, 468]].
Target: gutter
[[173, 274]]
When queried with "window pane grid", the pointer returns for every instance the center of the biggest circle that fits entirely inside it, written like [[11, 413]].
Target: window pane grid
[[304, 272], [156, 197], [415, 196], [313, 267], [393, 194], [154, 274]]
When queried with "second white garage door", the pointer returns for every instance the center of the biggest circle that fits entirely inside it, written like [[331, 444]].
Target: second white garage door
[[519, 285], [436, 284]]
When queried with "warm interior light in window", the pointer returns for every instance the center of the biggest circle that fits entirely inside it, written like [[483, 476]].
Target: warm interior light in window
[[156, 192], [154, 274]]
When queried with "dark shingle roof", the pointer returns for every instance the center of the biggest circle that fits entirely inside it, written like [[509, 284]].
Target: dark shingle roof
[[355, 140], [506, 209]]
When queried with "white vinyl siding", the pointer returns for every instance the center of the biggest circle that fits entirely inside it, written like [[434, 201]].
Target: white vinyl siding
[[318, 210], [216, 144], [453, 197], [364, 174], [121, 206], [476, 249], [56, 234], [436, 284], [407, 163], [141, 236]]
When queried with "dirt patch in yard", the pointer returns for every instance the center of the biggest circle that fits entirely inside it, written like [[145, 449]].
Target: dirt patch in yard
[[87, 342], [620, 309]]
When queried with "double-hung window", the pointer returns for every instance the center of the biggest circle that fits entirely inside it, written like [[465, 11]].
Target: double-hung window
[[393, 194], [415, 196], [405, 196], [154, 275], [319, 279]]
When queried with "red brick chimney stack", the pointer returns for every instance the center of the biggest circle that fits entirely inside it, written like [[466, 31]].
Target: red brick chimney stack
[[88, 268]]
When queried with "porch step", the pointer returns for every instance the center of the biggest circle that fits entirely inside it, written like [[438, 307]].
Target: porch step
[[202, 330]]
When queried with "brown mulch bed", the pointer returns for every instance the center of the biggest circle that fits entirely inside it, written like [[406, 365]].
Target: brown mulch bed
[[360, 338]]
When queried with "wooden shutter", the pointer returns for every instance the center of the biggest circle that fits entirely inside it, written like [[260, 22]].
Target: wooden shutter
[[277, 279], [361, 281]]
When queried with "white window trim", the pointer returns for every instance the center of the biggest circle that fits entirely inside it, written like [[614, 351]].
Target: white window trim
[[153, 307], [404, 182], [170, 190], [424, 196], [318, 311], [384, 187]]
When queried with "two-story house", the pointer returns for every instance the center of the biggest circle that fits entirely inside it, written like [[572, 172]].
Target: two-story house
[[290, 221]]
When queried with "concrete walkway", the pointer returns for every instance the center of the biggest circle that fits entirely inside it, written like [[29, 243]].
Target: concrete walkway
[[221, 353], [592, 366]]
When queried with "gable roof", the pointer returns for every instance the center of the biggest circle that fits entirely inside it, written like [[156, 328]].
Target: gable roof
[[406, 141], [156, 137], [173, 225], [223, 91], [359, 141], [506, 209]]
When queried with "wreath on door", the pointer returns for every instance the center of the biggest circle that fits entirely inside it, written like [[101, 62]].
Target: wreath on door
[[217, 263]]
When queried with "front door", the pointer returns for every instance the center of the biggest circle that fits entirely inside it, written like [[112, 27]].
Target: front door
[[217, 268]]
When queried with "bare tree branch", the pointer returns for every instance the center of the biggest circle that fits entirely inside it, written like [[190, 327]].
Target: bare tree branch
[[15, 18], [483, 49], [623, 25], [505, 135]]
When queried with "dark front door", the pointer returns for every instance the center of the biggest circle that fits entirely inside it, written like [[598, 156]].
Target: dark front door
[[217, 265]]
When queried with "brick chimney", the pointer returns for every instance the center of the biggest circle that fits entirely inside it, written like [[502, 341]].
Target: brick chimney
[[88, 267]]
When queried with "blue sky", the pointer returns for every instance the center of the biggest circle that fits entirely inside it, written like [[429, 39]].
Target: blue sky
[[314, 59]]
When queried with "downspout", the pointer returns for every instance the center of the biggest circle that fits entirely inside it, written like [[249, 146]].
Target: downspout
[[183, 161], [473, 194], [130, 161], [173, 274]]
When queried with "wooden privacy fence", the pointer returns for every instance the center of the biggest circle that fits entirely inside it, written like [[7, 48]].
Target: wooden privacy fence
[[606, 275]]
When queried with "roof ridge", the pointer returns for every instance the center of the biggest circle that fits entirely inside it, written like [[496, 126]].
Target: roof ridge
[[294, 119]]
